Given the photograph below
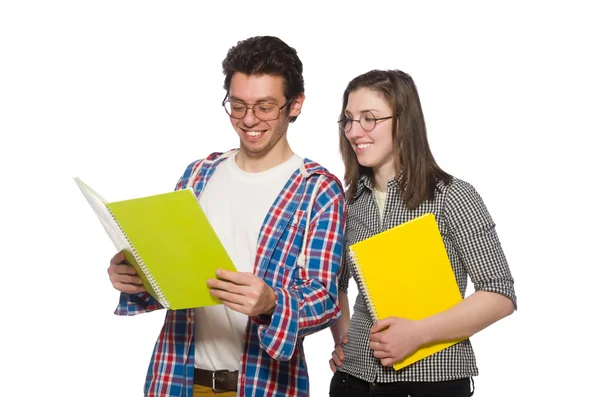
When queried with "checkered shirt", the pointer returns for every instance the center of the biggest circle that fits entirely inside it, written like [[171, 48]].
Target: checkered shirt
[[469, 235]]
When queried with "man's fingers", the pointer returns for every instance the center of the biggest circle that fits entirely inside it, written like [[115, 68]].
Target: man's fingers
[[224, 286], [131, 279], [125, 278], [117, 258], [116, 270], [125, 269], [240, 278], [225, 296], [128, 288]]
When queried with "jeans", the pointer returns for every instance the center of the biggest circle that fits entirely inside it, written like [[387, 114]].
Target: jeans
[[344, 385]]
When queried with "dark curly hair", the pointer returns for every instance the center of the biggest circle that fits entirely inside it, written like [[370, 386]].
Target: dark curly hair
[[266, 55]]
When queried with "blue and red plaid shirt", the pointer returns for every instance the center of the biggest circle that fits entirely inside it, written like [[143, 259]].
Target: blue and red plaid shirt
[[273, 361]]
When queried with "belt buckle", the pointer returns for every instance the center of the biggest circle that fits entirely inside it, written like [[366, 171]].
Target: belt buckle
[[214, 386]]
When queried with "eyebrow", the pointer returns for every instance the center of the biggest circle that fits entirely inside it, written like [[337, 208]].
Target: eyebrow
[[264, 99], [362, 111]]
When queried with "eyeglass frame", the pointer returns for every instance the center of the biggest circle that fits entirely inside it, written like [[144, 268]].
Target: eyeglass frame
[[251, 106], [376, 119]]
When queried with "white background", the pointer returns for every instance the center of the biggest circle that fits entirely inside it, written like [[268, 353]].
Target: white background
[[124, 94]]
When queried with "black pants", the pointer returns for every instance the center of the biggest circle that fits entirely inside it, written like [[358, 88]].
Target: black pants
[[344, 385]]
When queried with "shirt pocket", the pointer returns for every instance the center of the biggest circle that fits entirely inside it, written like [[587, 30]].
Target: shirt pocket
[[284, 261]]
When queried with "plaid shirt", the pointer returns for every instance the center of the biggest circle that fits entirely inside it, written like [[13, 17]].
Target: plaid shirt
[[273, 360]]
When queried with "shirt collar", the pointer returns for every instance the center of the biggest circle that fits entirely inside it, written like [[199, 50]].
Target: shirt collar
[[365, 182]]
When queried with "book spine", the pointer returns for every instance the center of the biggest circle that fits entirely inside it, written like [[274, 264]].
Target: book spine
[[140, 262], [363, 286]]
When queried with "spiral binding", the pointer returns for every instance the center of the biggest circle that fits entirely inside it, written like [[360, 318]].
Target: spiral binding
[[362, 285], [159, 293]]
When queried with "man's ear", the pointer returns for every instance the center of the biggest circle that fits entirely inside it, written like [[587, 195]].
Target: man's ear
[[296, 105]]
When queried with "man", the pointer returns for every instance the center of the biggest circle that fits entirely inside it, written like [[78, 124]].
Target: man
[[280, 218]]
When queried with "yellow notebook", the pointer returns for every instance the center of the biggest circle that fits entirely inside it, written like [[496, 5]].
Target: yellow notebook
[[169, 241], [405, 272]]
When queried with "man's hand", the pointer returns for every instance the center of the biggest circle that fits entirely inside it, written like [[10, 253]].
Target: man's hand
[[243, 292], [123, 276], [393, 339]]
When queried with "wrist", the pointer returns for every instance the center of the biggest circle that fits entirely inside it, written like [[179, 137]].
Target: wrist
[[424, 332], [273, 302]]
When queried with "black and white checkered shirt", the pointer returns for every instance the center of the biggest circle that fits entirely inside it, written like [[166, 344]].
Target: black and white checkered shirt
[[474, 250]]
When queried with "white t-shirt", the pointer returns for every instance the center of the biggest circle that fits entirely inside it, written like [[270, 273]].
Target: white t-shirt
[[380, 200], [236, 204]]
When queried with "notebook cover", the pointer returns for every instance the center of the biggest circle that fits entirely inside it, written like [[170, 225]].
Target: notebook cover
[[405, 272], [176, 243]]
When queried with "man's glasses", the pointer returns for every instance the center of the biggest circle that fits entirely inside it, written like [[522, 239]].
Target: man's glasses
[[367, 121], [263, 111]]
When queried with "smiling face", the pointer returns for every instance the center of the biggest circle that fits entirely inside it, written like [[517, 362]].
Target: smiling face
[[374, 149], [258, 138]]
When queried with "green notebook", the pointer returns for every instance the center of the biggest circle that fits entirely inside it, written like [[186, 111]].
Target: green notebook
[[169, 241]]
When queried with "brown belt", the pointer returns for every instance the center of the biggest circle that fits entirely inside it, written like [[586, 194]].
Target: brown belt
[[219, 381]]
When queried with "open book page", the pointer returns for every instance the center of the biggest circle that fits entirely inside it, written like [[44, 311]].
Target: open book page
[[98, 204], [121, 242]]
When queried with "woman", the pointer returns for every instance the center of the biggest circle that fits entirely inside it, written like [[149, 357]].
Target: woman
[[392, 177]]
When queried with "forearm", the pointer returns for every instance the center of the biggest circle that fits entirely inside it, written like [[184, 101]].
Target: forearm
[[298, 313], [340, 327], [470, 316], [310, 302], [319, 293], [318, 309]]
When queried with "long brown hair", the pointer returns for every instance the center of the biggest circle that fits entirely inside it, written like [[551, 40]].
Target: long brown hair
[[416, 169]]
